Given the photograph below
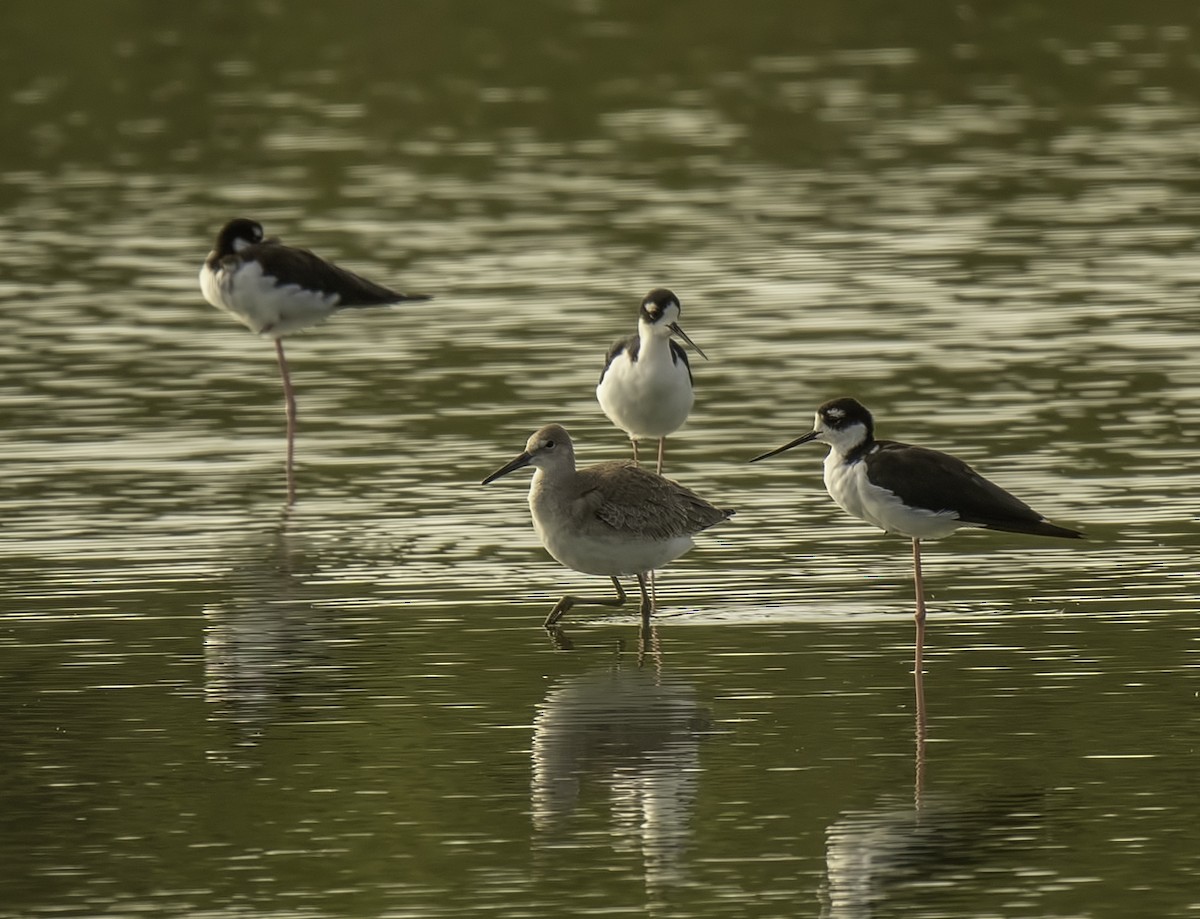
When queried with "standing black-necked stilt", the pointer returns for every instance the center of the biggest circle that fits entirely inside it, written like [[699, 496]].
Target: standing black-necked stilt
[[646, 386], [913, 491], [615, 519], [276, 290]]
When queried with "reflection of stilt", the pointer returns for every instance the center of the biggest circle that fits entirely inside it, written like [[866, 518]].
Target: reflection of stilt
[[919, 763]]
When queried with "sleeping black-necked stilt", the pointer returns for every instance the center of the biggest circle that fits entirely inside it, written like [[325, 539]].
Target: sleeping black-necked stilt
[[646, 386], [276, 290], [913, 491], [615, 518]]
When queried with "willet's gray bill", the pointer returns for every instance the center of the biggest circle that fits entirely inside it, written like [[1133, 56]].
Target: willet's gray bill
[[615, 519], [645, 388], [913, 491], [276, 290]]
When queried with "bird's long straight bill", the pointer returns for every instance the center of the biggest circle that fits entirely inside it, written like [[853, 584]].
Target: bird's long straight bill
[[802, 439], [682, 334], [512, 466]]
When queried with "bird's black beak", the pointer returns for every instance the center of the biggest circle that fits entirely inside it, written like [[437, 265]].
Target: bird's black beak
[[802, 439], [523, 460], [674, 327]]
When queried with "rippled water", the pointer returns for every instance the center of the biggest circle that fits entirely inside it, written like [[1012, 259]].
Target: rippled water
[[982, 225]]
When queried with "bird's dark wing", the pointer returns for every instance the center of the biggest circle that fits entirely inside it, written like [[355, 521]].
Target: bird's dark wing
[[936, 481], [679, 354], [634, 501], [632, 344], [289, 265]]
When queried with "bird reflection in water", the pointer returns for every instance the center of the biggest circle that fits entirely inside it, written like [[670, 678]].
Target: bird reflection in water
[[262, 639], [634, 733], [884, 859]]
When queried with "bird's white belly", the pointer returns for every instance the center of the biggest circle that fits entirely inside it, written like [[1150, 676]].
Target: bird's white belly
[[647, 398], [850, 489], [258, 303], [599, 553]]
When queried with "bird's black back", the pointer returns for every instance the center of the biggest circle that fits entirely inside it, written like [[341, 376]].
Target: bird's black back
[[937, 481], [289, 265]]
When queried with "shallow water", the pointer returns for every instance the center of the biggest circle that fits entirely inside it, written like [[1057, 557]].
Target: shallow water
[[982, 225]]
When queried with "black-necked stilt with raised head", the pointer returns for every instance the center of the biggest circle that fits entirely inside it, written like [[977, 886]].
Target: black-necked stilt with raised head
[[646, 386], [276, 290], [913, 491], [615, 519]]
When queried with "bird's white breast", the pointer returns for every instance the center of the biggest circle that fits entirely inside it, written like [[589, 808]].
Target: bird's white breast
[[649, 397], [260, 303], [853, 492]]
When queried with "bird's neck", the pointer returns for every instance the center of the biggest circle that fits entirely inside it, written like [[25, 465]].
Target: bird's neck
[[652, 341], [850, 453]]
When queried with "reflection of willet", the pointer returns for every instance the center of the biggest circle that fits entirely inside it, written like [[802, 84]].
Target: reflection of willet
[[276, 290], [637, 734], [646, 386], [614, 519], [919, 493]]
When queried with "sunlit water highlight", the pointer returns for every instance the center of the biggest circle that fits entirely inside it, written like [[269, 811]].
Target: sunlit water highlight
[[214, 706]]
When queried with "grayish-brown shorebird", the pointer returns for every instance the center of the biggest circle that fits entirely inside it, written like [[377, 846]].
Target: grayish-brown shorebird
[[615, 519]]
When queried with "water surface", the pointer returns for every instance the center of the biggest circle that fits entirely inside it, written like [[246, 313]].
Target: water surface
[[981, 223]]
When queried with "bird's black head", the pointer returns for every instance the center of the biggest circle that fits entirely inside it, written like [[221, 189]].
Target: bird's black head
[[659, 305], [844, 424], [237, 235], [843, 414]]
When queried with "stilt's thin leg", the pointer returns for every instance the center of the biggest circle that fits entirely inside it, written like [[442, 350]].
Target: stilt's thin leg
[[635, 450], [647, 603], [564, 605], [919, 767], [662, 452], [289, 396], [919, 583]]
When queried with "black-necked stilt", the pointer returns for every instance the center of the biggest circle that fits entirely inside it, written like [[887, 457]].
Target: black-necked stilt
[[646, 386], [276, 290], [615, 519], [913, 491]]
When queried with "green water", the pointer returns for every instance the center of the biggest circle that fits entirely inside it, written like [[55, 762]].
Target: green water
[[980, 220]]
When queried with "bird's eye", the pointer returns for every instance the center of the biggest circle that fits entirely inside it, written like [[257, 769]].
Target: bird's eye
[[548, 445]]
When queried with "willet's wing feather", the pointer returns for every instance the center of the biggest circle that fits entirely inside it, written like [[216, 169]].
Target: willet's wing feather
[[634, 501]]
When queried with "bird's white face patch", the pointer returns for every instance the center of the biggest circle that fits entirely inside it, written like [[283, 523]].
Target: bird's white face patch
[[239, 244], [842, 439]]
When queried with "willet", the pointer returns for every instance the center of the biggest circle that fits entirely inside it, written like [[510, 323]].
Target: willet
[[615, 519]]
